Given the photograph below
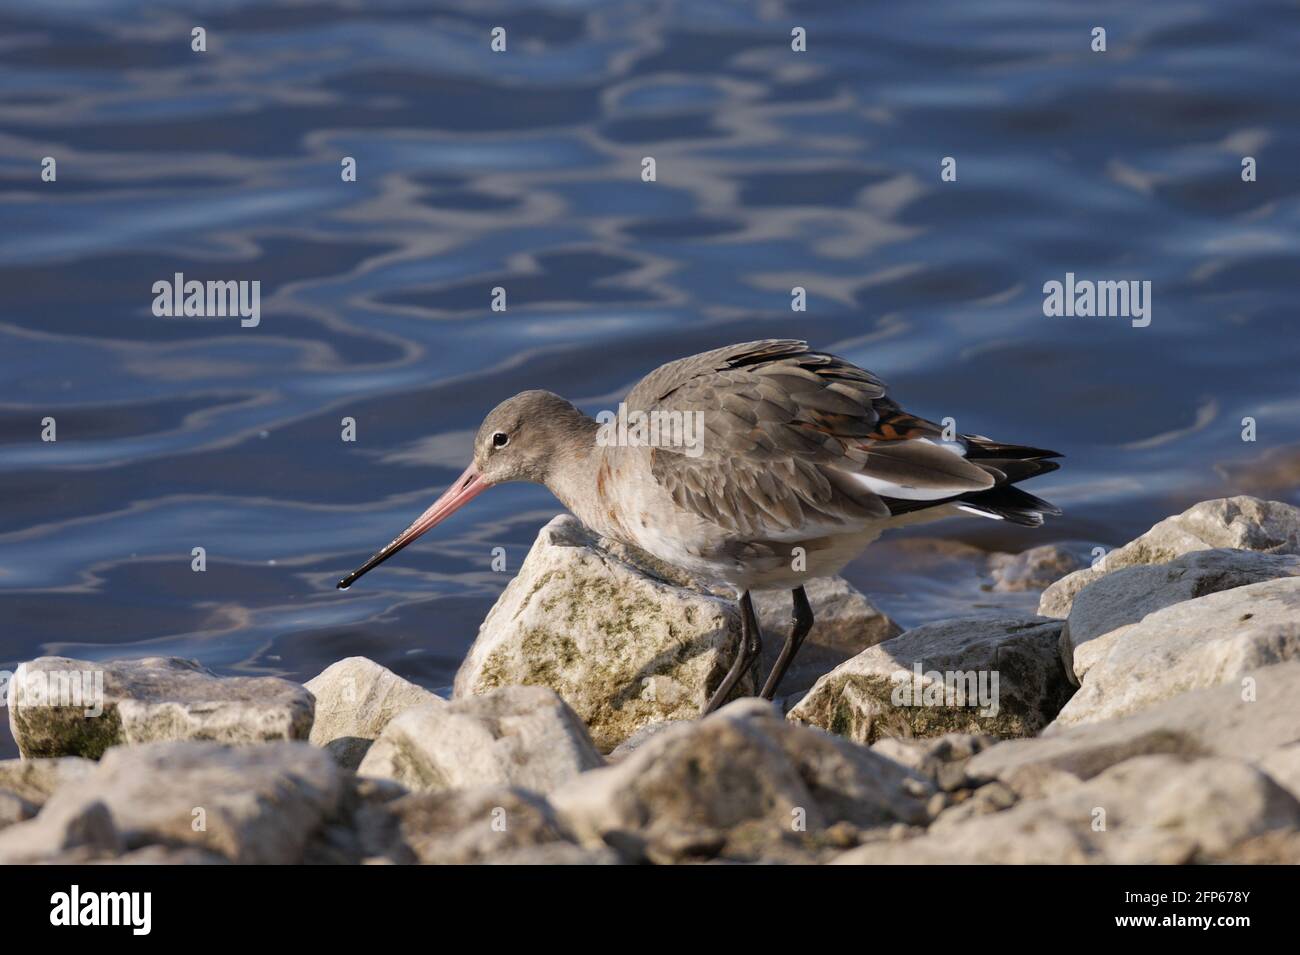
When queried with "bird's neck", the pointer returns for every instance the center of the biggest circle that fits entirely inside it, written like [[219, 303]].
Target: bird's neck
[[574, 462]]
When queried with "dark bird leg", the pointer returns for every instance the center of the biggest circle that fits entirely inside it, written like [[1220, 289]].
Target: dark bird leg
[[802, 622], [751, 647]]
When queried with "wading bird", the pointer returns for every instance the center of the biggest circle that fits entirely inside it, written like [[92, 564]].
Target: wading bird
[[802, 461]]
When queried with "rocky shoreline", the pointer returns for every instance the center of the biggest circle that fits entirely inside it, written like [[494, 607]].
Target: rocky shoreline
[[1147, 714]]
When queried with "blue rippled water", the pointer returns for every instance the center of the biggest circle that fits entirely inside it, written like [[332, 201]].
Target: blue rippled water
[[522, 170]]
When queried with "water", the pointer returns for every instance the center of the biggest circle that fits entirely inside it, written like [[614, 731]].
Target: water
[[523, 170]]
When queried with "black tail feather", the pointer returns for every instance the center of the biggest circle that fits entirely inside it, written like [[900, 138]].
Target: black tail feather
[[1010, 504], [978, 446], [1009, 464]]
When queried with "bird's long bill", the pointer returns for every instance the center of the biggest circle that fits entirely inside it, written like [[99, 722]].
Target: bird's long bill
[[466, 487]]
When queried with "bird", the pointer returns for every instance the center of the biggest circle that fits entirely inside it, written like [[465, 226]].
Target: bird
[[774, 464]]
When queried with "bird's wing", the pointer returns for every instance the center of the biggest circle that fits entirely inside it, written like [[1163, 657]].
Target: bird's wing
[[795, 441]]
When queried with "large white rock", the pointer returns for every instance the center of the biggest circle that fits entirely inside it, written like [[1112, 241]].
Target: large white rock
[[1004, 671], [249, 804], [515, 736], [624, 648], [1199, 643], [64, 707], [1146, 810], [1220, 721], [739, 784], [844, 624], [1103, 609], [355, 699], [1240, 523]]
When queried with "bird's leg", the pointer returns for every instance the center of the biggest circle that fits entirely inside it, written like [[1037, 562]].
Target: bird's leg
[[802, 622], [751, 646]]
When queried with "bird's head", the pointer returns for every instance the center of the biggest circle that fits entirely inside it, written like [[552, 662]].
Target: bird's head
[[522, 439], [525, 437]]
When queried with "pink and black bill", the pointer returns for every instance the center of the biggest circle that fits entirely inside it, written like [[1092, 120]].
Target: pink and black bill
[[466, 487]]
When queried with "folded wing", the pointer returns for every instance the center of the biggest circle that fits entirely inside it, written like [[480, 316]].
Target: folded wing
[[797, 441]]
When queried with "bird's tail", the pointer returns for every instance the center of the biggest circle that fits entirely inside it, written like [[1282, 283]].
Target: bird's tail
[[1009, 464]]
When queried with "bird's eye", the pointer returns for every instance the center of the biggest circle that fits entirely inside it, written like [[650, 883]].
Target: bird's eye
[[500, 439]]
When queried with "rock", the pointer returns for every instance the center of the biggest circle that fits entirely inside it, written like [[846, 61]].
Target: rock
[[942, 760], [1209, 722], [1240, 523], [378, 790], [966, 804], [63, 707], [1271, 848], [622, 647], [35, 780], [14, 808], [1198, 643], [248, 804], [1037, 567], [844, 624], [515, 736], [555, 853], [740, 784], [1009, 661], [1283, 767], [640, 738], [1126, 596], [84, 828], [165, 855], [460, 827], [355, 699], [1150, 809]]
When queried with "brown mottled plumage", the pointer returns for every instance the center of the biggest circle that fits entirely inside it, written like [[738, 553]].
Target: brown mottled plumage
[[803, 460]]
